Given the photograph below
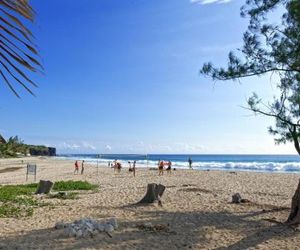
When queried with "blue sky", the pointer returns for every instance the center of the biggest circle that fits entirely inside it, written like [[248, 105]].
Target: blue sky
[[123, 77]]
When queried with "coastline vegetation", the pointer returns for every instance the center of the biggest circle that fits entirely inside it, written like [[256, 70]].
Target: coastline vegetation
[[73, 185], [19, 200], [15, 147]]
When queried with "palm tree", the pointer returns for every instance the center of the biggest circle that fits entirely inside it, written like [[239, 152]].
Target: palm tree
[[18, 53]]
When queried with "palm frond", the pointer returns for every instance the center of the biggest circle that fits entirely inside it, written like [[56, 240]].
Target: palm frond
[[18, 53]]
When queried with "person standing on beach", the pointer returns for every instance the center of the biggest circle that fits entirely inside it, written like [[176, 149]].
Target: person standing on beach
[[119, 167], [169, 168], [133, 168], [161, 168], [82, 167], [130, 169], [190, 163], [115, 165], [76, 167]]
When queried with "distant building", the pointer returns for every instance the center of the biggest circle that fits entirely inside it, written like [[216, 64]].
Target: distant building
[[2, 140]]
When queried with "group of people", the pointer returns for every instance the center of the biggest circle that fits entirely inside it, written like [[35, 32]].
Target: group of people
[[76, 171], [132, 168], [161, 166], [117, 166]]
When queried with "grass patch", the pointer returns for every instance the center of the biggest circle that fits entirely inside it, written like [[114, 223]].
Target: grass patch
[[13, 192], [15, 211], [17, 200], [73, 185]]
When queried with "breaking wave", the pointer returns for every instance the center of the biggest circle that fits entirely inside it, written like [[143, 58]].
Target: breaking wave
[[257, 166]]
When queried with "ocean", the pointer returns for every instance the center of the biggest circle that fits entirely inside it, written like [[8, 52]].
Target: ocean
[[254, 163]]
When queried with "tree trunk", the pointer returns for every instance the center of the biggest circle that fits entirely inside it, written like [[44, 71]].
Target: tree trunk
[[295, 139], [296, 144], [44, 187], [294, 217], [154, 192]]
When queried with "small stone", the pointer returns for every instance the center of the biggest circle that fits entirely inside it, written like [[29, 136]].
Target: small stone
[[147, 224], [67, 231], [236, 198], [100, 227], [94, 223], [71, 232], [94, 232], [79, 234], [85, 233], [108, 228], [77, 221], [89, 225], [113, 222], [59, 225]]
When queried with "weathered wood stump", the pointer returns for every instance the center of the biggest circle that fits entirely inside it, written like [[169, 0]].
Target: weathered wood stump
[[294, 217], [154, 193], [44, 187]]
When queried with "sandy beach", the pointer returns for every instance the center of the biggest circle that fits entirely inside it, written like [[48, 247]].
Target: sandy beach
[[197, 209]]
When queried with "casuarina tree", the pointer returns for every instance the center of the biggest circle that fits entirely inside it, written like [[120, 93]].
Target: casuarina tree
[[271, 48], [18, 53]]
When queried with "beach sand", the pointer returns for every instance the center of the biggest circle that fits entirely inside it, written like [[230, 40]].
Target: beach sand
[[197, 209]]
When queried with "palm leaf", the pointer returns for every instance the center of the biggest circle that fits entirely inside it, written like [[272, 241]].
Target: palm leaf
[[17, 51]]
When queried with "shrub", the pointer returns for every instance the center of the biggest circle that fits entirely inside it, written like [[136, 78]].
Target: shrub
[[73, 185]]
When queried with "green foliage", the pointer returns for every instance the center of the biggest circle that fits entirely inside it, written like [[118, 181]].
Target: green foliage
[[275, 48], [12, 192], [16, 147], [73, 185], [19, 54], [16, 200], [13, 147], [10, 210]]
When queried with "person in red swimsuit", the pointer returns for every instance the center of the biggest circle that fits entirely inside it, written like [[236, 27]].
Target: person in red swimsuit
[[76, 167]]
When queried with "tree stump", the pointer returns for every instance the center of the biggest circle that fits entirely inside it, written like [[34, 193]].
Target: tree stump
[[294, 217], [44, 187], [154, 193]]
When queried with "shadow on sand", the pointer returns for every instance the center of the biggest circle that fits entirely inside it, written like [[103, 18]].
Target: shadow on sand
[[188, 230]]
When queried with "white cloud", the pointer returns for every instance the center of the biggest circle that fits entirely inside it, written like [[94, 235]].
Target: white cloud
[[209, 1], [66, 145], [190, 148], [108, 147], [88, 146], [75, 147]]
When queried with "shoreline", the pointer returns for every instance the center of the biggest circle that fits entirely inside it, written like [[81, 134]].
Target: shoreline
[[204, 167], [34, 159]]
